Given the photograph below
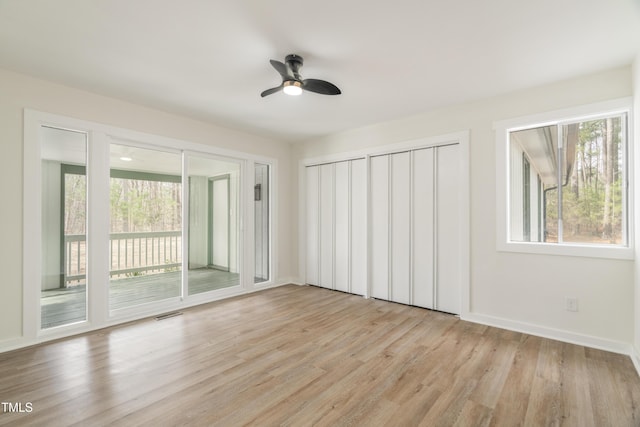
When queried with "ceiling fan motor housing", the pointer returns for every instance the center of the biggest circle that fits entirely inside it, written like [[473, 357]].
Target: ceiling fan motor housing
[[292, 82], [294, 62]]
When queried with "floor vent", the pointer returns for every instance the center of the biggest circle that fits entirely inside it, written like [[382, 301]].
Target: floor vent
[[167, 315]]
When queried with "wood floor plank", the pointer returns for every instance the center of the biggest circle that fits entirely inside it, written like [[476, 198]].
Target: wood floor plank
[[514, 398], [576, 398], [382, 414], [545, 403], [496, 369], [309, 356], [608, 400], [301, 401], [474, 414]]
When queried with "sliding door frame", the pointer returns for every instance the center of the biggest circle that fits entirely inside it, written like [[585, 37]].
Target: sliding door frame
[[99, 138]]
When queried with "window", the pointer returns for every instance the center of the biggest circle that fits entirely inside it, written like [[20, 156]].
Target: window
[[565, 183]]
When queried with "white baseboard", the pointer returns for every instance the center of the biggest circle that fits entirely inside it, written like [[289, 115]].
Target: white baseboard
[[292, 281], [552, 333], [15, 344], [635, 358]]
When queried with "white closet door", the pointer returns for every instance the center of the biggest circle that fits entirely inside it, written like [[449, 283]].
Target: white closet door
[[448, 291], [379, 193], [312, 229], [401, 227], [326, 225], [423, 237], [341, 259], [358, 227]]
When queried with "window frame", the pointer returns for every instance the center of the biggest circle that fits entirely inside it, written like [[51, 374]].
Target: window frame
[[560, 117], [526, 199]]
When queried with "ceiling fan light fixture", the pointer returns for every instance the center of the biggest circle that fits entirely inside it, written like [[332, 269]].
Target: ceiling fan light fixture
[[292, 88]]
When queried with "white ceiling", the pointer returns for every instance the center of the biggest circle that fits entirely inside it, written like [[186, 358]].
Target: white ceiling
[[209, 59]]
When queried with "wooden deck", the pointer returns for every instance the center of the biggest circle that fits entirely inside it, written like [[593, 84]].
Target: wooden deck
[[299, 356], [64, 306]]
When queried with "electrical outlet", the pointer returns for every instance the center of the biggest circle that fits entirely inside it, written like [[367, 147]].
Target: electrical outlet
[[571, 303]]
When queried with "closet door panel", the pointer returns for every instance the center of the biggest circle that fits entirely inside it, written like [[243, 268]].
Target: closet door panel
[[399, 234], [312, 221], [326, 225], [448, 232], [358, 227], [423, 238], [341, 258], [401, 227], [379, 229]]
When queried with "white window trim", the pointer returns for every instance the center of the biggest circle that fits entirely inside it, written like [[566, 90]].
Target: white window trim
[[99, 136], [568, 115]]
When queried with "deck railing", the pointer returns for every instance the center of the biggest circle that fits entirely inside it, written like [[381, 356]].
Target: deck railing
[[130, 254]]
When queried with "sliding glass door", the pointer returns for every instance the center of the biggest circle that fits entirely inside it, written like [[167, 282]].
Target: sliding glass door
[[214, 224], [121, 225], [63, 287], [145, 236]]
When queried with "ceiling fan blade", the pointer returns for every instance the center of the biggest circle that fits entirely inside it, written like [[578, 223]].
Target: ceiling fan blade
[[320, 86], [270, 91], [281, 69]]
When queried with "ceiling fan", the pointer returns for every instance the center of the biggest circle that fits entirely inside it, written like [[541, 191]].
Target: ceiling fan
[[292, 82]]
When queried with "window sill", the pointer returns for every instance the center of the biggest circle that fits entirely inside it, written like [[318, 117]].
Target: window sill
[[569, 249]]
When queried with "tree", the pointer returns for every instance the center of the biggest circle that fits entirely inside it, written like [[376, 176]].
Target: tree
[[143, 206], [592, 202], [608, 157]]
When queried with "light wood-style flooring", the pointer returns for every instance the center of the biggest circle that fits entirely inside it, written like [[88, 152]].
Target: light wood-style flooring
[[308, 356]]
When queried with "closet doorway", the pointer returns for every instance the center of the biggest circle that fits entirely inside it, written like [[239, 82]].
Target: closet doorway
[[391, 225]]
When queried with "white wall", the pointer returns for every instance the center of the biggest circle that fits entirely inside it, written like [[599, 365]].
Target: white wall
[[520, 291], [20, 91]]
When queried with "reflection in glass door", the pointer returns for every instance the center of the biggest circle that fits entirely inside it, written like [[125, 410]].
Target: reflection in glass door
[[214, 224], [63, 296], [145, 240], [219, 206]]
